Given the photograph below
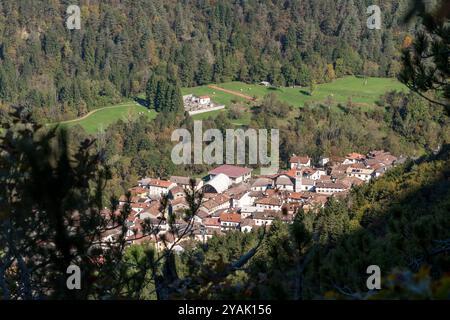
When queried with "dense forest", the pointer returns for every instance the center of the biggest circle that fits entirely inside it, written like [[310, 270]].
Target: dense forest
[[60, 73]]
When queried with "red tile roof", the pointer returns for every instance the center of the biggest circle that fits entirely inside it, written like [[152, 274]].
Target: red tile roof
[[140, 205], [221, 198], [355, 156], [230, 217], [153, 209], [308, 171], [291, 173], [295, 195], [180, 201], [211, 222], [210, 204], [137, 190], [176, 190], [160, 183], [273, 201]]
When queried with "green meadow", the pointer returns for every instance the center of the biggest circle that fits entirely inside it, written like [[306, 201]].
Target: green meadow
[[101, 118], [363, 93]]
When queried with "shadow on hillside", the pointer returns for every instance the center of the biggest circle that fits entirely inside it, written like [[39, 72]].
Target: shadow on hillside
[[141, 101], [403, 232], [304, 92]]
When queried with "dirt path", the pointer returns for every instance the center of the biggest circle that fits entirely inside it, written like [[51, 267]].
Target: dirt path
[[92, 112], [232, 92]]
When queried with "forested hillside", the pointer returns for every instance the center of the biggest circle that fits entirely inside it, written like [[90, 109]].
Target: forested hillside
[[61, 73]]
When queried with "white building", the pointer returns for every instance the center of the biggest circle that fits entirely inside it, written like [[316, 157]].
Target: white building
[[265, 218], [297, 162], [156, 187], [284, 182], [262, 184], [242, 200], [329, 187], [310, 173], [204, 100], [304, 184], [364, 174], [269, 203], [353, 158], [248, 211], [229, 221], [247, 225]]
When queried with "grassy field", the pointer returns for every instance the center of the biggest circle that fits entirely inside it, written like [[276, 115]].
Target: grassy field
[[361, 92], [206, 115], [101, 118], [244, 120]]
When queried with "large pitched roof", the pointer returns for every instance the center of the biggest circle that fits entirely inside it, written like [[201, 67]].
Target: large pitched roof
[[230, 217], [330, 185], [230, 171], [283, 180], [273, 201], [211, 221], [355, 156], [183, 180], [267, 215], [155, 182], [299, 159], [262, 182]]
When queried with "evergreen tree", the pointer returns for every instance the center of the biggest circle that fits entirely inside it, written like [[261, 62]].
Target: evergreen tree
[[150, 91], [203, 75], [426, 67], [160, 95]]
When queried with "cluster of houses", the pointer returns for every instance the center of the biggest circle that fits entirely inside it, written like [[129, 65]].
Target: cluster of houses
[[233, 199], [199, 104]]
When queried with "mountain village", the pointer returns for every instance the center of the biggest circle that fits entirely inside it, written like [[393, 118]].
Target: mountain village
[[234, 199]]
